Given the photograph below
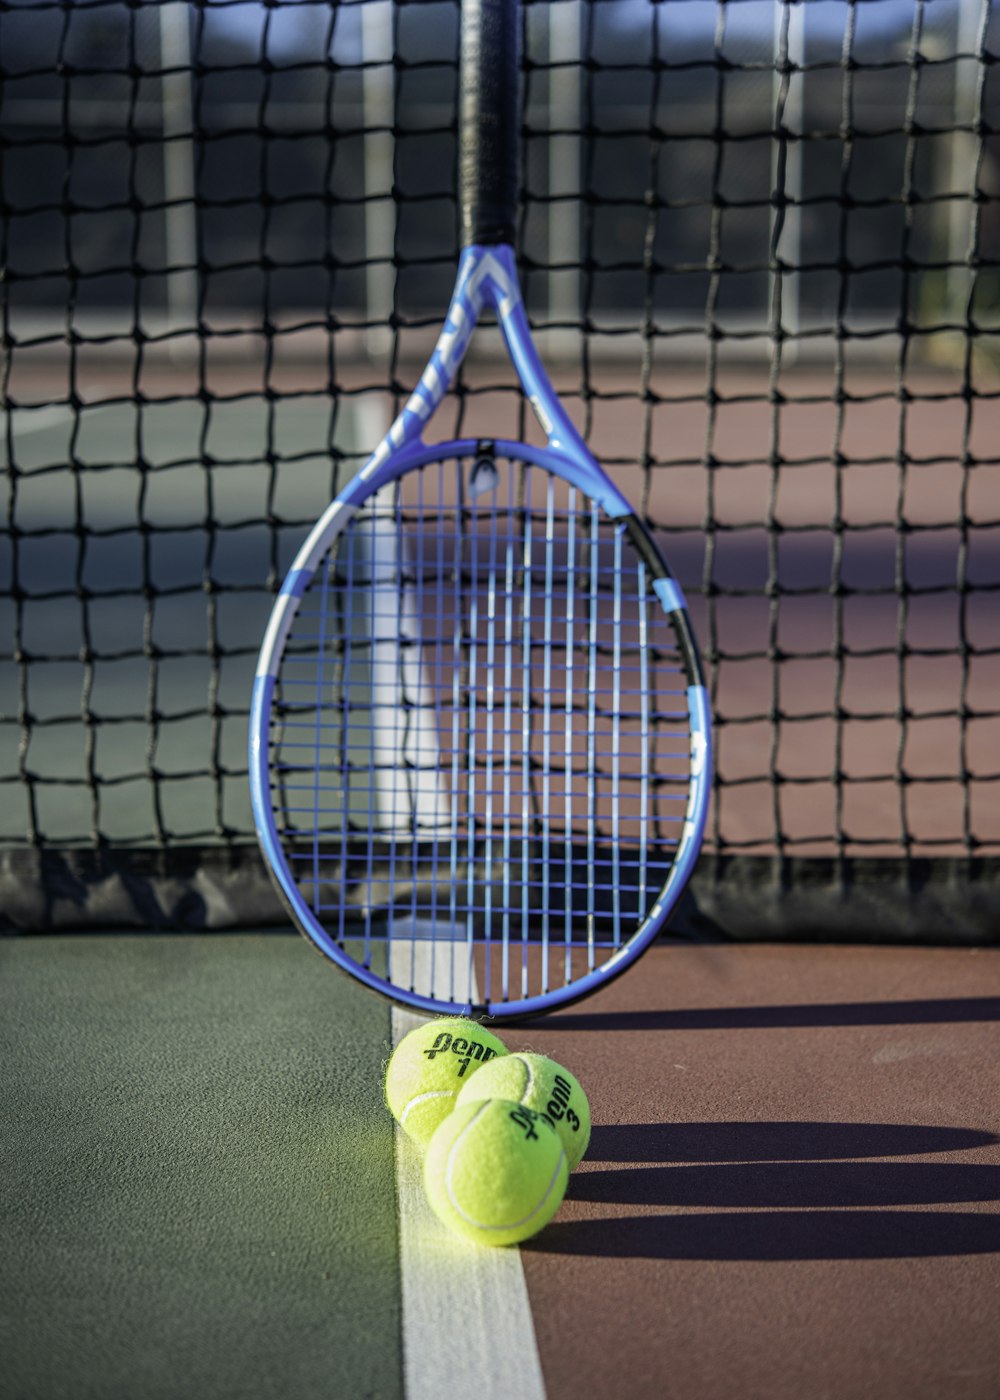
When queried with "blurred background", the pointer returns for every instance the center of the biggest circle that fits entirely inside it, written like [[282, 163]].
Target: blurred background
[[759, 243], [176, 165]]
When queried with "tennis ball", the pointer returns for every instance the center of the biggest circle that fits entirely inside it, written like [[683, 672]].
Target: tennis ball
[[540, 1084], [495, 1171], [429, 1066]]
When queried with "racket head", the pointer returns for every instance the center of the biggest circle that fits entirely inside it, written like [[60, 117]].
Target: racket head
[[480, 742]]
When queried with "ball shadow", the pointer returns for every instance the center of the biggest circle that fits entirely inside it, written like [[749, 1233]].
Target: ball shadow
[[801, 1185], [775, 1235]]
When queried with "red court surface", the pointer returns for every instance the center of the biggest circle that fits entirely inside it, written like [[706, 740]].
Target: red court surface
[[792, 1189]]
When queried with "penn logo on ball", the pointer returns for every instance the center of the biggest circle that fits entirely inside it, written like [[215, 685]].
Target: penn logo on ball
[[495, 1172], [544, 1086], [429, 1067]]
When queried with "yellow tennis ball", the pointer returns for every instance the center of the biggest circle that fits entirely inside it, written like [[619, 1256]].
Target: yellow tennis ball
[[495, 1171], [538, 1083], [429, 1066]]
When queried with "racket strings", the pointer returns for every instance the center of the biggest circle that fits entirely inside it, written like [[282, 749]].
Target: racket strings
[[481, 726]]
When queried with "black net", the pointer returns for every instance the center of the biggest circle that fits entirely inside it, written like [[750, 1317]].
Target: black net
[[760, 246]]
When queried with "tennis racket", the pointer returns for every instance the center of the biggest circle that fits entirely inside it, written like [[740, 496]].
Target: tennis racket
[[479, 739]]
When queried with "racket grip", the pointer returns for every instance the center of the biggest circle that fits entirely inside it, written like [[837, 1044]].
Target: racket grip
[[488, 121]]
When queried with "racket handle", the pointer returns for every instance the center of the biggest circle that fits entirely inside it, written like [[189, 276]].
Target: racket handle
[[488, 121]]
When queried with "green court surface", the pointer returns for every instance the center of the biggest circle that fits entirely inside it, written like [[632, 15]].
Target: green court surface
[[198, 1194]]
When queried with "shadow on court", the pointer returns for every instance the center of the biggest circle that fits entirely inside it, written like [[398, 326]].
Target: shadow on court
[[939, 1010], [812, 1185], [779, 1211], [776, 1235], [772, 1142]]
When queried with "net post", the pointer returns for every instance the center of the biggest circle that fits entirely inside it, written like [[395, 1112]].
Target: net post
[[180, 216], [785, 289], [962, 166], [378, 115], [565, 43]]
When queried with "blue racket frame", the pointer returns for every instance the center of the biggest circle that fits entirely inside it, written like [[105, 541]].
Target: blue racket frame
[[487, 279]]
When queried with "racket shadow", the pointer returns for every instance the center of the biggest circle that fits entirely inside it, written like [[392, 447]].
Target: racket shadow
[[932, 1011]]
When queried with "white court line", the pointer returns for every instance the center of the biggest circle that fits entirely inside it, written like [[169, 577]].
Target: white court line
[[467, 1326]]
